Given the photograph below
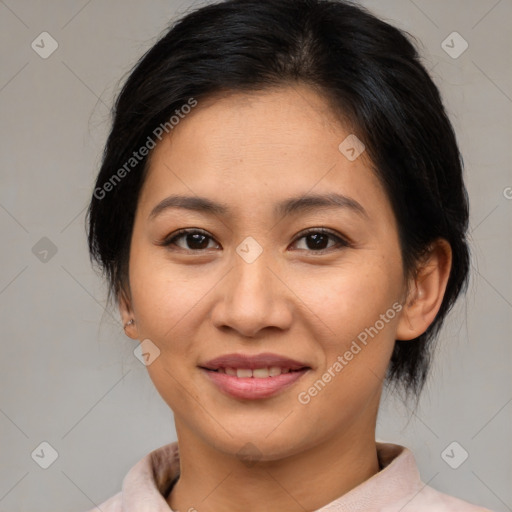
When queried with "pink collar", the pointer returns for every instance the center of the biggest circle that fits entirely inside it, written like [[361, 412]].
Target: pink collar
[[146, 483]]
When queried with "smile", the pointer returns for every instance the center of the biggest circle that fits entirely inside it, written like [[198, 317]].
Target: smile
[[257, 373], [256, 384]]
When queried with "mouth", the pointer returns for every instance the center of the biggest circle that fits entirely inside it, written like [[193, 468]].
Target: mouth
[[256, 373], [259, 363], [253, 377]]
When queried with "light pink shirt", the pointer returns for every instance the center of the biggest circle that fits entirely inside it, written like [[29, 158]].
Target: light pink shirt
[[396, 487]]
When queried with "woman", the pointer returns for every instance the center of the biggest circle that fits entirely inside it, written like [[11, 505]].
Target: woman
[[281, 217]]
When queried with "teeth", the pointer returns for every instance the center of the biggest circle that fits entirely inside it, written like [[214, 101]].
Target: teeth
[[274, 371], [258, 373]]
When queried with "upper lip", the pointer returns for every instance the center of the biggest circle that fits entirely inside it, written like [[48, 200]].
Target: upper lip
[[252, 362]]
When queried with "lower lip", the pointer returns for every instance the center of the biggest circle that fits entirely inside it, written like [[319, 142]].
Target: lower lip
[[253, 388]]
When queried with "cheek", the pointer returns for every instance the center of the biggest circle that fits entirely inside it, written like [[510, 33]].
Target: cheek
[[164, 294], [362, 323], [349, 298], [358, 305]]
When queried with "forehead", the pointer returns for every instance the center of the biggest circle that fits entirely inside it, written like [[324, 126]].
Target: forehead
[[255, 148], [291, 122]]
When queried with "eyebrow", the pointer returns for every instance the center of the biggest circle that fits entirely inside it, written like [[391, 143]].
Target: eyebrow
[[289, 206]]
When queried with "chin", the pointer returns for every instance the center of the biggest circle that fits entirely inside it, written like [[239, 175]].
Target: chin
[[258, 446]]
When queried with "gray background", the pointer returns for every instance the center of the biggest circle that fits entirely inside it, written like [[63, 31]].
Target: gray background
[[68, 375]]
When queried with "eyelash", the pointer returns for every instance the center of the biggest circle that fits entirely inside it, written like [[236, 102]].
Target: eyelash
[[342, 242]]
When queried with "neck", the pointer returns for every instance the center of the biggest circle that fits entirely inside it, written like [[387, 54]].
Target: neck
[[211, 480]]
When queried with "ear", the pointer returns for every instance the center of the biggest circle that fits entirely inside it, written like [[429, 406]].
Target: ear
[[426, 291], [126, 311]]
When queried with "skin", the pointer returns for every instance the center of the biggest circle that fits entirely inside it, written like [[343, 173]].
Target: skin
[[251, 151]]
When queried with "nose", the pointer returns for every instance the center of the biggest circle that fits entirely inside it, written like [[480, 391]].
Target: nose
[[253, 298]]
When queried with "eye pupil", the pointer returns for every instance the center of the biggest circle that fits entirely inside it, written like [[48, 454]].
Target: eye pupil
[[196, 237], [317, 239]]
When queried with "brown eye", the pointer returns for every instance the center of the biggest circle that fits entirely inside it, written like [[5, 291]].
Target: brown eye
[[317, 240], [194, 240]]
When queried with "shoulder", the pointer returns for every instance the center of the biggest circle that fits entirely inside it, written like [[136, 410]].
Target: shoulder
[[113, 504], [428, 499]]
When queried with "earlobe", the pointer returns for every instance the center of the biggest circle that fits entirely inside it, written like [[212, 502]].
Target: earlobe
[[127, 315], [427, 292]]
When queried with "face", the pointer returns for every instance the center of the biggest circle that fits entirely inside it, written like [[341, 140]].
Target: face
[[266, 271]]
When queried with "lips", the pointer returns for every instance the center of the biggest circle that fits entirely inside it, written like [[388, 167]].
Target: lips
[[259, 361], [253, 377]]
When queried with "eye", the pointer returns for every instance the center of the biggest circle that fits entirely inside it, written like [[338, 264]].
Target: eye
[[196, 239], [317, 238]]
